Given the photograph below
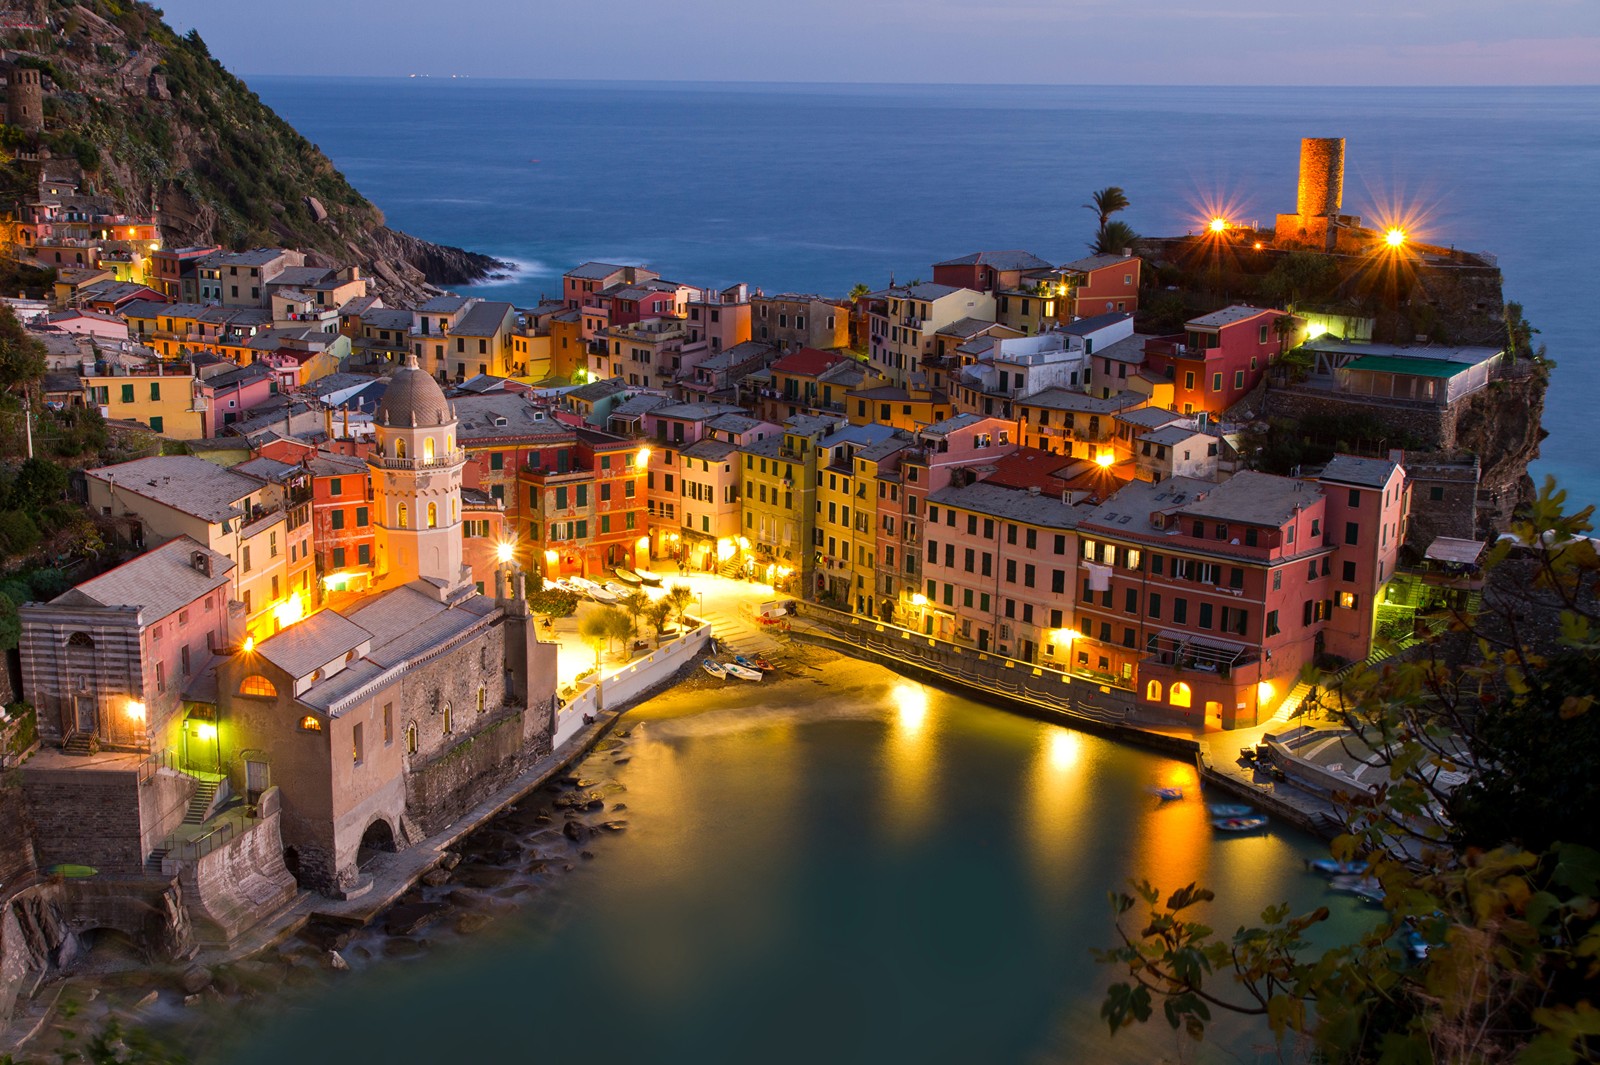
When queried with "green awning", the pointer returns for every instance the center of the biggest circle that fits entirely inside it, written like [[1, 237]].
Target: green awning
[[1409, 367]]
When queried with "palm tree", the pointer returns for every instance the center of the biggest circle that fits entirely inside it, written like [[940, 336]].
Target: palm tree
[[858, 291], [1107, 202], [1113, 237], [679, 597]]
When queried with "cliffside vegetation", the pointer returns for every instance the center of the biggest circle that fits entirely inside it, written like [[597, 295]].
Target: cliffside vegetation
[[159, 125]]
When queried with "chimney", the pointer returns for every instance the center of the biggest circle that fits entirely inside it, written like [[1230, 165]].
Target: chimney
[[201, 562]]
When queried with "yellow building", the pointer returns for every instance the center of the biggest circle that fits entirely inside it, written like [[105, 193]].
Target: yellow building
[[907, 409], [846, 513], [262, 527], [779, 496], [159, 396]]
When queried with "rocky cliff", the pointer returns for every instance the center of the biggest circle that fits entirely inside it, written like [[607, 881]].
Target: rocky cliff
[[158, 125]]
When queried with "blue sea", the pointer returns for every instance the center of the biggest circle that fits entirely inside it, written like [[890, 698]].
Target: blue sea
[[818, 187]]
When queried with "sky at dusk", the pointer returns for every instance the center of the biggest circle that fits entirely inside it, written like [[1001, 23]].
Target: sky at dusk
[[1188, 42]]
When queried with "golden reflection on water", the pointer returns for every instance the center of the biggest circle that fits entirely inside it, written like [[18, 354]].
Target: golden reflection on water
[[908, 758], [750, 805], [1057, 790], [1172, 838]]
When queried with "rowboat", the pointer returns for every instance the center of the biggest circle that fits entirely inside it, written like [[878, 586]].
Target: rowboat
[[1334, 867], [1239, 824], [757, 663], [627, 576], [1168, 794], [734, 669], [621, 591], [648, 578], [589, 588], [1366, 888], [715, 668], [1228, 809]]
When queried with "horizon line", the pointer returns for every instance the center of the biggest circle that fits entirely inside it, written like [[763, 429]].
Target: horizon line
[[430, 76]]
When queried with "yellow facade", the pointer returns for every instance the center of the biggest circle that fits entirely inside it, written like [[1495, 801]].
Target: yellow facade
[[166, 404]]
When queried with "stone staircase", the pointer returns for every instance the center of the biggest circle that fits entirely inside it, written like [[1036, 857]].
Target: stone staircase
[[152, 864], [1291, 703], [79, 744], [200, 804]]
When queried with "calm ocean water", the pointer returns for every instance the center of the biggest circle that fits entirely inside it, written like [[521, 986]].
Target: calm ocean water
[[817, 187]]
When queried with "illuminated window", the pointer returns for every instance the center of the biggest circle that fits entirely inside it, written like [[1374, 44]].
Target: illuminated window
[[433, 515], [311, 723], [1347, 600], [427, 449], [483, 699], [405, 515], [399, 449], [256, 684], [1152, 691], [1180, 694], [411, 738], [449, 719]]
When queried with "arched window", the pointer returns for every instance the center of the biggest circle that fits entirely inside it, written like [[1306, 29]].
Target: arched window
[[449, 720], [454, 511], [433, 515], [311, 723], [411, 738], [483, 698], [256, 684], [80, 639], [404, 516], [427, 449], [399, 449], [1152, 691], [449, 443], [1180, 694]]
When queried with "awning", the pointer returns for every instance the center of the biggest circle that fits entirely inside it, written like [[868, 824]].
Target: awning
[[1450, 549]]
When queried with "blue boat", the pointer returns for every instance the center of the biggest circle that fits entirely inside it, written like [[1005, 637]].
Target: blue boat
[[1334, 867], [1239, 824], [1168, 794], [715, 668], [1229, 809]]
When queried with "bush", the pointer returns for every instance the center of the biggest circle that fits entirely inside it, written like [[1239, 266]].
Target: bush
[[554, 602], [18, 533]]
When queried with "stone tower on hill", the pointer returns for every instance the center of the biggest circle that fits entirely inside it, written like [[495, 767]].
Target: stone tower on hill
[[416, 483], [24, 98]]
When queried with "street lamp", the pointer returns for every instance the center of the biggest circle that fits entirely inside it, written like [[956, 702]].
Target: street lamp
[[505, 551]]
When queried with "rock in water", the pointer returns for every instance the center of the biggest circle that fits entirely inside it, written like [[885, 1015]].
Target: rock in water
[[407, 917], [195, 979], [336, 962], [577, 831]]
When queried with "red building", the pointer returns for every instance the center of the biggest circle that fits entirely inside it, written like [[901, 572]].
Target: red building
[[1209, 599], [342, 533], [989, 271], [1220, 356], [1100, 284]]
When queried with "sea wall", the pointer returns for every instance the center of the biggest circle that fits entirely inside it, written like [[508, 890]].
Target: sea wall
[[631, 681], [233, 888], [103, 818]]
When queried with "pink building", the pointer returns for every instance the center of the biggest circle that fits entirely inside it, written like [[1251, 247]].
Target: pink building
[[1369, 506], [1220, 357], [229, 395]]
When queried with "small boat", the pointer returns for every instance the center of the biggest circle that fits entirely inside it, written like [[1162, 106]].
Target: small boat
[[1416, 944], [1229, 809], [647, 578], [1239, 824], [715, 668], [734, 669], [594, 591], [621, 591], [627, 576], [1334, 867], [757, 663], [1168, 794], [1366, 888]]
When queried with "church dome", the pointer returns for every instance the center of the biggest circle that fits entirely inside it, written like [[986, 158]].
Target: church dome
[[413, 399]]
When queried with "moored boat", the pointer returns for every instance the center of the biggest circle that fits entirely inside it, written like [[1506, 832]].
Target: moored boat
[[734, 669], [1229, 809], [627, 576], [1334, 867], [647, 578], [1168, 794], [714, 668], [1239, 824], [1363, 887]]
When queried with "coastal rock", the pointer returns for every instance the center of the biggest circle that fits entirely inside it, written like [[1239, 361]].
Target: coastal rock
[[337, 963], [195, 979], [614, 826], [468, 923], [436, 877], [148, 1000], [482, 876], [405, 919], [577, 831], [449, 860]]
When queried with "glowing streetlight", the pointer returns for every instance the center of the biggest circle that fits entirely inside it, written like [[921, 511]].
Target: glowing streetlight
[[249, 644], [1264, 691], [919, 600], [1219, 225], [644, 456], [1104, 460], [505, 551], [206, 730], [1395, 237], [135, 711], [552, 557]]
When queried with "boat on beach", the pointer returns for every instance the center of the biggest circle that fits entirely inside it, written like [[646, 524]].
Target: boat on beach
[[1229, 809], [715, 668], [1239, 824], [627, 576], [585, 586], [647, 578], [756, 663], [734, 669]]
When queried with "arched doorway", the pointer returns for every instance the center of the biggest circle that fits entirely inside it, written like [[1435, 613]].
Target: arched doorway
[[377, 839]]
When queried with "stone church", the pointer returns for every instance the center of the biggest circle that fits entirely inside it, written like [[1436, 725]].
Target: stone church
[[386, 720]]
